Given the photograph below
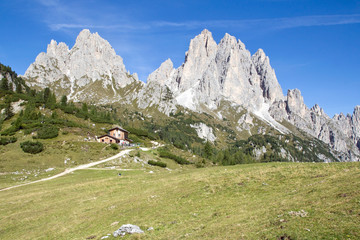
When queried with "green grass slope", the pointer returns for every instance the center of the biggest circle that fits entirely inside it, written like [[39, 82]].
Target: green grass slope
[[251, 201]]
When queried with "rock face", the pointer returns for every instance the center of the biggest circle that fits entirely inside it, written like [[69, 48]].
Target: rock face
[[214, 72], [90, 71], [156, 93], [340, 132]]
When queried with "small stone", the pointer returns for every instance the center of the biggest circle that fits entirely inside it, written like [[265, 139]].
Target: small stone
[[150, 229], [300, 213]]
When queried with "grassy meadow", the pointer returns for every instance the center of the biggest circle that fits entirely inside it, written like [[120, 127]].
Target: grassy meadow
[[65, 151], [251, 201]]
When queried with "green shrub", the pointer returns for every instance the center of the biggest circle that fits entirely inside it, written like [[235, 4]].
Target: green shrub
[[157, 163], [32, 147], [5, 141], [28, 131], [114, 146], [47, 132], [142, 133], [179, 160]]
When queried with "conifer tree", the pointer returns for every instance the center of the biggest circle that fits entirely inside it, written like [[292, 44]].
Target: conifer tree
[[63, 101], [4, 85]]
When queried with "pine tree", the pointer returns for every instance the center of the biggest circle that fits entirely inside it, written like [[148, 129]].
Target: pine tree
[[4, 85], [8, 109], [208, 151], [18, 88], [51, 102], [47, 94], [11, 86], [63, 100], [84, 108]]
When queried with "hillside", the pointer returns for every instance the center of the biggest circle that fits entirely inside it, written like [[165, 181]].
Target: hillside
[[255, 201], [66, 127]]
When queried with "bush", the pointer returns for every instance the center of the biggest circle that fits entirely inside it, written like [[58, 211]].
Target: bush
[[5, 141], [157, 163], [114, 146], [177, 159], [47, 132], [32, 147], [142, 133]]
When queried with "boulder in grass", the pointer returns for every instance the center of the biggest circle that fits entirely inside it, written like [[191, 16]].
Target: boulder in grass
[[127, 228]]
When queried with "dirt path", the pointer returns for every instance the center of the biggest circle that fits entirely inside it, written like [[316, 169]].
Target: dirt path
[[69, 170]]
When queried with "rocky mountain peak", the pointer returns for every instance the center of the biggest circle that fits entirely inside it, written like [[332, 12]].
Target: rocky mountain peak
[[260, 56], [161, 74], [356, 124], [83, 35], [55, 49], [201, 52], [202, 46], [356, 112], [271, 88], [91, 61], [295, 103], [94, 46], [228, 39], [206, 32], [229, 43], [318, 110]]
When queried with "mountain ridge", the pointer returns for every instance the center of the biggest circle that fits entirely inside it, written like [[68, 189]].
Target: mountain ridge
[[210, 74]]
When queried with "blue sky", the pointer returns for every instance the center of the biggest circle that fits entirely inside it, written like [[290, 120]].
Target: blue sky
[[312, 45]]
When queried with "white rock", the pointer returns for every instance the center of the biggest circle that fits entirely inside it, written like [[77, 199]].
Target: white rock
[[204, 132], [127, 229]]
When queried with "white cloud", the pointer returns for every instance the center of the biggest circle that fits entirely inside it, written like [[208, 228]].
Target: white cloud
[[272, 23], [268, 24], [61, 16]]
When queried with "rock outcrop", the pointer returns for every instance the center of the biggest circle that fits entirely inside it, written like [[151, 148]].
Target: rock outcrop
[[204, 132]]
